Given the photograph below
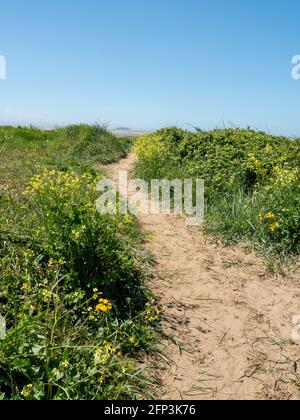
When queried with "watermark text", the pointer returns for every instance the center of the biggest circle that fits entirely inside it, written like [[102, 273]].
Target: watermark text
[[296, 67], [296, 329], [2, 327], [139, 197], [2, 67]]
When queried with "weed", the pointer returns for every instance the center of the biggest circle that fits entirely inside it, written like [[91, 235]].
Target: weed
[[72, 286]]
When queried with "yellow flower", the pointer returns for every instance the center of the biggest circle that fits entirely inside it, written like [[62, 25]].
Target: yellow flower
[[270, 216], [127, 220], [47, 295], [260, 217], [152, 318], [26, 287], [96, 294], [268, 148], [133, 341], [51, 263], [104, 354], [98, 356], [104, 306], [31, 307], [65, 364], [55, 264], [27, 391]]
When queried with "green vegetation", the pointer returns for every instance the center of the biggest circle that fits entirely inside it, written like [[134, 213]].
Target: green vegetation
[[252, 182], [71, 280], [26, 151]]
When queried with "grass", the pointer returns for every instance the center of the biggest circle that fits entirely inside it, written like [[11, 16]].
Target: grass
[[25, 151], [72, 283], [252, 182]]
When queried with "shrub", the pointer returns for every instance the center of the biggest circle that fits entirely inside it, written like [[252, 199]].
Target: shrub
[[247, 174]]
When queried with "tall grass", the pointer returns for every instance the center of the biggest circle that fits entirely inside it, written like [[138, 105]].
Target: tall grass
[[72, 286], [252, 182]]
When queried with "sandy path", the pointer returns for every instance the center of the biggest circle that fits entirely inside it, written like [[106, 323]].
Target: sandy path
[[227, 323]]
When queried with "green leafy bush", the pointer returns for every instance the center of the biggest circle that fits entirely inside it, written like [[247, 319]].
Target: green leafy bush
[[248, 174]]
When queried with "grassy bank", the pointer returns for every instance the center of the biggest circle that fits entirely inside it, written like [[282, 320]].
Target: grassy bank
[[72, 288], [252, 182]]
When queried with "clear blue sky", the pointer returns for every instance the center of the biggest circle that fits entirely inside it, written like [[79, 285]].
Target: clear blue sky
[[151, 63]]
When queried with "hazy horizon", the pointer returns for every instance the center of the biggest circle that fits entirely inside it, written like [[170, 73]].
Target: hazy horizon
[[189, 127]]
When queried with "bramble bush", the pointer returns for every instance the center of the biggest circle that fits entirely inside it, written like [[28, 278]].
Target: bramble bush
[[249, 176]]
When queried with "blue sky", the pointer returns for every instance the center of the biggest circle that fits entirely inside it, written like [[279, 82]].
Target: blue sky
[[151, 63]]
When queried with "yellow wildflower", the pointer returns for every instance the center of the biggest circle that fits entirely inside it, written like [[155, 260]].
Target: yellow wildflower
[[98, 356], [47, 295], [65, 364], [26, 287], [268, 148], [55, 373], [104, 306], [51, 263], [27, 391], [96, 294], [133, 341], [274, 226], [270, 216], [104, 354]]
